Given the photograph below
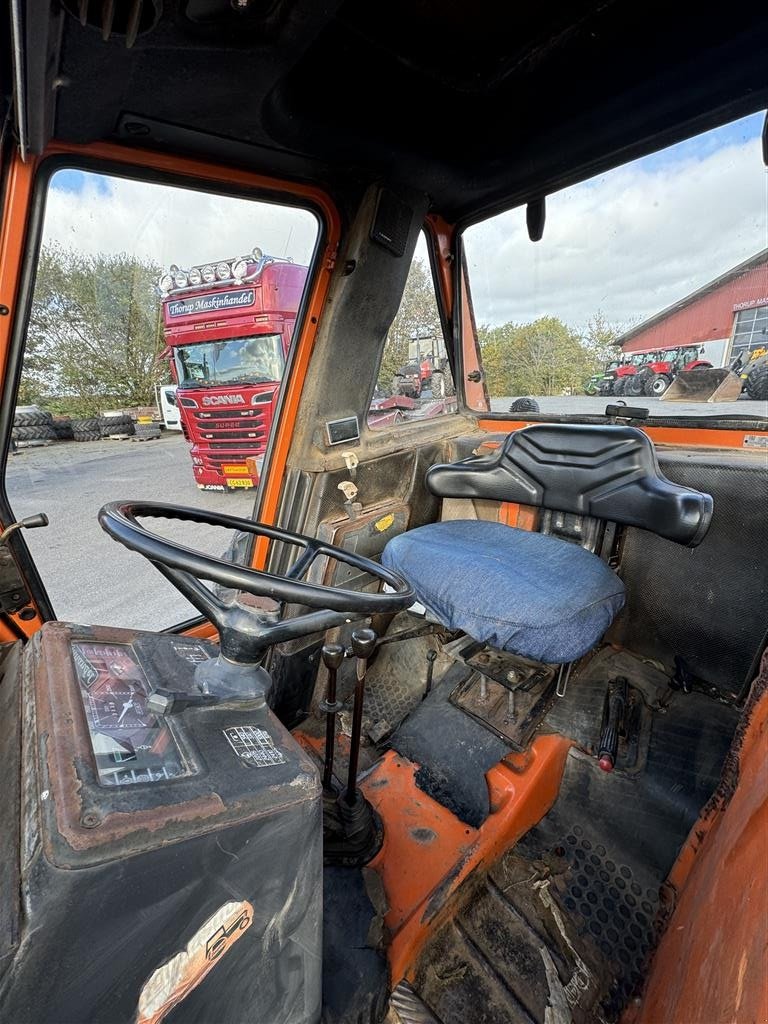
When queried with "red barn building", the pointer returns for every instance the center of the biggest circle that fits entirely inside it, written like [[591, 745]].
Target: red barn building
[[727, 316]]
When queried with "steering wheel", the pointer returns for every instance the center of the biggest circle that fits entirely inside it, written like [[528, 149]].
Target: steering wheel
[[245, 632]]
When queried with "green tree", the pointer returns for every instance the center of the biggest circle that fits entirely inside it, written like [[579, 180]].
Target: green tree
[[417, 318], [545, 357], [94, 334], [600, 337]]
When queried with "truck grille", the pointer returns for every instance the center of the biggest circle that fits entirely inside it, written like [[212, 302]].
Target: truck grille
[[230, 428]]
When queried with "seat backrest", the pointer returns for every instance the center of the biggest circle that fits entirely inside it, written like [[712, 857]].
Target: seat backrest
[[608, 472]]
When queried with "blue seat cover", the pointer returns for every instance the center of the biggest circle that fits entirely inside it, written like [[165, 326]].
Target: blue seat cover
[[519, 591]]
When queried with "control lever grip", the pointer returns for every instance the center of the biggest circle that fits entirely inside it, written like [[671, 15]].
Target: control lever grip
[[363, 643], [612, 726]]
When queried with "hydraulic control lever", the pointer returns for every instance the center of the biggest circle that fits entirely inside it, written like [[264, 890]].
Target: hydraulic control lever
[[352, 832], [29, 523], [614, 714], [332, 655], [363, 646]]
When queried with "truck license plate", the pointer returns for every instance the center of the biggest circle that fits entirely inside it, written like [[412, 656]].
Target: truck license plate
[[239, 483]]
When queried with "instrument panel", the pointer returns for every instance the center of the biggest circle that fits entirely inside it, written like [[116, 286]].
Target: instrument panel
[[130, 743]]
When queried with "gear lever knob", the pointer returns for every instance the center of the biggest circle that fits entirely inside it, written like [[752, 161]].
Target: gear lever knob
[[332, 655], [363, 643]]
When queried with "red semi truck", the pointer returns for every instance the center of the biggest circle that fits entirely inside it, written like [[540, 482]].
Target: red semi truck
[[228, 326]]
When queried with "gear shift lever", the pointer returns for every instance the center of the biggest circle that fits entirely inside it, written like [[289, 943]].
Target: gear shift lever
[[363, 645], [332, 655], [352, 833]]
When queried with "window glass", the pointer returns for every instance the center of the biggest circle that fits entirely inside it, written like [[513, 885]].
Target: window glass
[[415, 380], [644, 273], [255, 360], [156, 344], [750, 330]]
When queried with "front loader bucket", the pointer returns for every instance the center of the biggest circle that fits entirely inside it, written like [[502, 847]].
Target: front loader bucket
[[704, 384]]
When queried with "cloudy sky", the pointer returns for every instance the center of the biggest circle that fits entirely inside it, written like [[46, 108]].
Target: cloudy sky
[[96, 213], [631, 241]]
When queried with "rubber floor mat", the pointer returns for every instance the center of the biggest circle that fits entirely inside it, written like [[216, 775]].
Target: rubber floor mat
[[567, 917]]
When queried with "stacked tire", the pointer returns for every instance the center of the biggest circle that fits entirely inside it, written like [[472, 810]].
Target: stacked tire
[[146, 431], [30, 423], [86, 429], [62, 428], [116, 425]]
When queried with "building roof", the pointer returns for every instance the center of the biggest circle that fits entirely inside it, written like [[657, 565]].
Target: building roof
[[719, 282]]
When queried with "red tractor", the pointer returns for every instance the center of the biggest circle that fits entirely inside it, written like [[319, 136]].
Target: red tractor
[[659, 369], [617, 373], [430, 374]]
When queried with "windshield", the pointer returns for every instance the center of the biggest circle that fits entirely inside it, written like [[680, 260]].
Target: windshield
[[642, 270], [255, 360]]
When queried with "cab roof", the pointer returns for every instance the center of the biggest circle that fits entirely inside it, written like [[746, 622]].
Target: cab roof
[[481, 106]]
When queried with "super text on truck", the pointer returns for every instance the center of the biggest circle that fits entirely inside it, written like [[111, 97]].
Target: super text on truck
[[228, 326]]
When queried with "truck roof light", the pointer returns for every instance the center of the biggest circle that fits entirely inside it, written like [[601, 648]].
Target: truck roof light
[[166, 283], [195, 277], [209, 274], [258, 254], [223, 271], [180, 279], [239, 269]]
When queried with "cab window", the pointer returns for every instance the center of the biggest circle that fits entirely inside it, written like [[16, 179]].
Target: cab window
[[415, 381], [646, 273], [160, 325]]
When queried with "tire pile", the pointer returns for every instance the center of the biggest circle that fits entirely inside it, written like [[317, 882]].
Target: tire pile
[[146, 431], [33, 425], [116, 425]]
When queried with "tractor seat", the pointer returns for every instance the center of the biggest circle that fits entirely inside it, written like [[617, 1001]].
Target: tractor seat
[[530, 593], [519, 591]]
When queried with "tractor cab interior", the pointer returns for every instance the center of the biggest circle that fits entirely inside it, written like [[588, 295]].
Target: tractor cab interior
[[465, 721]]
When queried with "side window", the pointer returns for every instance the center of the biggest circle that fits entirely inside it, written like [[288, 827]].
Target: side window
[[644, 277], [160, 324], [415, 380]]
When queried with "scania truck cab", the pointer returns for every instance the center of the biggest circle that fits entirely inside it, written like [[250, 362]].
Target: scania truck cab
[[459, 714], [228, 326]]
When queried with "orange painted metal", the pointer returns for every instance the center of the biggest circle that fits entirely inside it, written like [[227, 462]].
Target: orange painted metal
[[13, 233], [475, 391], [442, 233], [428, 852], [680, 437], [524, 517], [712, 963]]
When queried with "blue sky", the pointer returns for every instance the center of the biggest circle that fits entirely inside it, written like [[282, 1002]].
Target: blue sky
[[76, 181], [733, 134]]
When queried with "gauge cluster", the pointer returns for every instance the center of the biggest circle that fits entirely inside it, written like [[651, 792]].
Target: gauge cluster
[[130, 743]]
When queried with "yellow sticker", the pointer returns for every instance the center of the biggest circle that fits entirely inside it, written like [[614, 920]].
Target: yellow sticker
[[384, 523], [169, 984], [233, 470]]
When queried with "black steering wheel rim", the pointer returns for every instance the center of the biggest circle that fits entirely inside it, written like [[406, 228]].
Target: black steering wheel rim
[[119, 519]]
